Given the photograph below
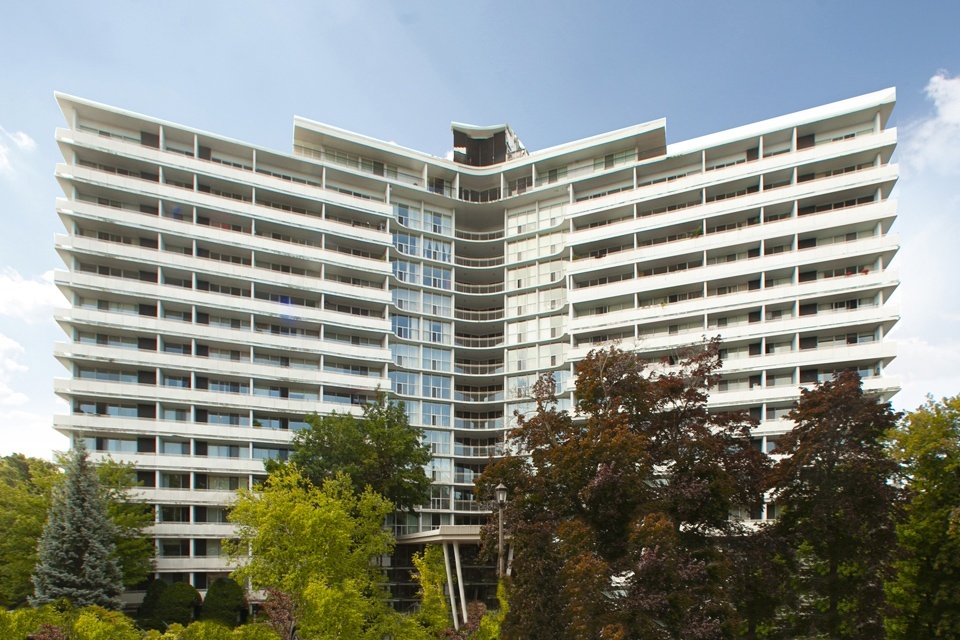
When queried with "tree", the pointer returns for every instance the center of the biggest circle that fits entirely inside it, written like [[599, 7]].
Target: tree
[[225, 602], [624, 508], [136, 551], [147, 613], [434, 614], [925, 594], [25, 486], [77, 555], [178, 603], [317, 546], [380, 450], [837, 489]]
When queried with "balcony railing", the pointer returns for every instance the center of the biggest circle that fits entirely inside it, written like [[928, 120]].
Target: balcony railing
[[479, 236], [480, 451], [478, 369], [478, 343], [463, 423], [479, 262], [462, 287], [478, 396], [478, 316]]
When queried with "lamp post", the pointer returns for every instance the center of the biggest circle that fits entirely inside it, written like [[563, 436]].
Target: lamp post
[[501, 495]]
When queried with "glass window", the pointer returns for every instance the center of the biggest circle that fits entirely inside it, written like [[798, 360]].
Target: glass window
[[406, 299], [436, 359], [436, 415], [436, 250], [407, 244], [406, 271], [405, 383], [437, 304], [436, 387], [405, 355], [436, 277], [405, 327]]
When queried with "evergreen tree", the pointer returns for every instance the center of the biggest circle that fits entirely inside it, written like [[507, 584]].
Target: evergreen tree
[[224, 603], [76, 555]]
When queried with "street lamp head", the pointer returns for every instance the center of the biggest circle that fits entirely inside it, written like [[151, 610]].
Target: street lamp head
[[501, 494]]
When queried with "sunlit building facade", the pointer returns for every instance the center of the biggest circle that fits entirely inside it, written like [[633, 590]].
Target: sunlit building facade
[[221, 291]]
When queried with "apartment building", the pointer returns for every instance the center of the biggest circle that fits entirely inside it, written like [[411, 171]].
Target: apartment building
[[221, 291]]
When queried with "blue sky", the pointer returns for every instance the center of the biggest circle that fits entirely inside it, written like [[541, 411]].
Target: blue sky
[[555, 71]]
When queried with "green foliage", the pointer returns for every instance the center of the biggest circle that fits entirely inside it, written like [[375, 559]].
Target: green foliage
[[925, 593], [96, 623], [25, 487], [430, 574], [380, 450], [51, 622], [178, 603], [77, 556], [135, 549], [317, 544], [225, 602], [24, 503], [147, 613], [207, 630], [256, 632], [619, 519], [840, 498]]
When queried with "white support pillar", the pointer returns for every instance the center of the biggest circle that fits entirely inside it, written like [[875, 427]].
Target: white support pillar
[[453, 599], [463, 598]]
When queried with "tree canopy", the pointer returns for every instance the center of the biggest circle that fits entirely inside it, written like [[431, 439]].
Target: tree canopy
[[623, 508], [837, 490], [135, 551], [379, 450], [25, 486], [317, 545], [925, 592], [77, 555]]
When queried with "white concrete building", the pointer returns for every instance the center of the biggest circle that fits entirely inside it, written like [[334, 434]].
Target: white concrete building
[[221, 291]]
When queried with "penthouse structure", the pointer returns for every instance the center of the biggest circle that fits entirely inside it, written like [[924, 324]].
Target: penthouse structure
[[221, 291]]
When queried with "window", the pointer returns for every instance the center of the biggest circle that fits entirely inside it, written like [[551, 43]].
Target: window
[[405, 355], [436, 415], [405, 327], [407, 244], [436, 359], [436, 277], [407, 216], [435, 222], [405, 383], [437, 305], [436, 332], [438, 441], [436, 387], [406, 271], [406, 299], [436, 250]]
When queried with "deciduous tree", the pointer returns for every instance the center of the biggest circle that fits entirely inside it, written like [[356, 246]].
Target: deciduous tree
[[837, 489], [624, 507], [25, 486], [318, 545], [136, 552], [925, 592], [379, 450]]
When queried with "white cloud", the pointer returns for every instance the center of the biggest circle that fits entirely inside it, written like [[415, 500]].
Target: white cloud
[[32, 300], [29, 433], [21, 141], [933, 143], [928, 350], [10, 352]]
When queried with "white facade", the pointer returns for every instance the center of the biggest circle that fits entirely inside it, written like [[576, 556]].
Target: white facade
[[221, 291]]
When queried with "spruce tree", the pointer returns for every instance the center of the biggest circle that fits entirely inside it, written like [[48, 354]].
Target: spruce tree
[[76, 554]]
